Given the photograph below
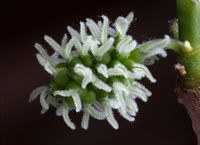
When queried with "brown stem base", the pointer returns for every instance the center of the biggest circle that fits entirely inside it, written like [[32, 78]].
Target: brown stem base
[[190, 98]]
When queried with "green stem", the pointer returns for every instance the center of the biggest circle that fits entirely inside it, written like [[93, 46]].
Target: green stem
[[173, 45], [189, 21], [189, 34], [189, 30]]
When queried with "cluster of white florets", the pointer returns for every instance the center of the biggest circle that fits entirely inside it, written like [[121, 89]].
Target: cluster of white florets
[[113, 70]]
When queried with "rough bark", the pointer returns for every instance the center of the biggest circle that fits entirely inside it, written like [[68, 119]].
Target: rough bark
[[190, 98]]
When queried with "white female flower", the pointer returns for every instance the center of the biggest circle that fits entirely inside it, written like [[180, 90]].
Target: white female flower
[[95, 71]]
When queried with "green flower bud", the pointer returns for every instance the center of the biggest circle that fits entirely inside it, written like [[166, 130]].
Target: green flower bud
[[61, 77], [101, 95], [119, 56], [72, 85], [69, 101], [61, 65], [113, 63], [87, 60], [106, 58], [123, 80], [88, 96], [137, 56], [53, 86], [112, 80], [128, 63], [77, 78], [123, 56], [74, 61]]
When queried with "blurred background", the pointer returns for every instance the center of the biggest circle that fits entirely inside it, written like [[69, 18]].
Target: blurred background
[[160, 121]]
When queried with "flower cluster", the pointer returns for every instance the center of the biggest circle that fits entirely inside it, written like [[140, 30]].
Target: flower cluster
[[97, 70]]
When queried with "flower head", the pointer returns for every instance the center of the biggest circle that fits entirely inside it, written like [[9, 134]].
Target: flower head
[[97, 70]]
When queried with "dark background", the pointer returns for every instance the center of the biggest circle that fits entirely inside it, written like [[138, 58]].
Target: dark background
[[160, 121]]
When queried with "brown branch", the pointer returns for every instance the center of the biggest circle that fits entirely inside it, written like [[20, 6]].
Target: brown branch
[[190, 98]]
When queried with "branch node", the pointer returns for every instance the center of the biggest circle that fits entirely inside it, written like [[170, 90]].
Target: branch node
[[181, 69]]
